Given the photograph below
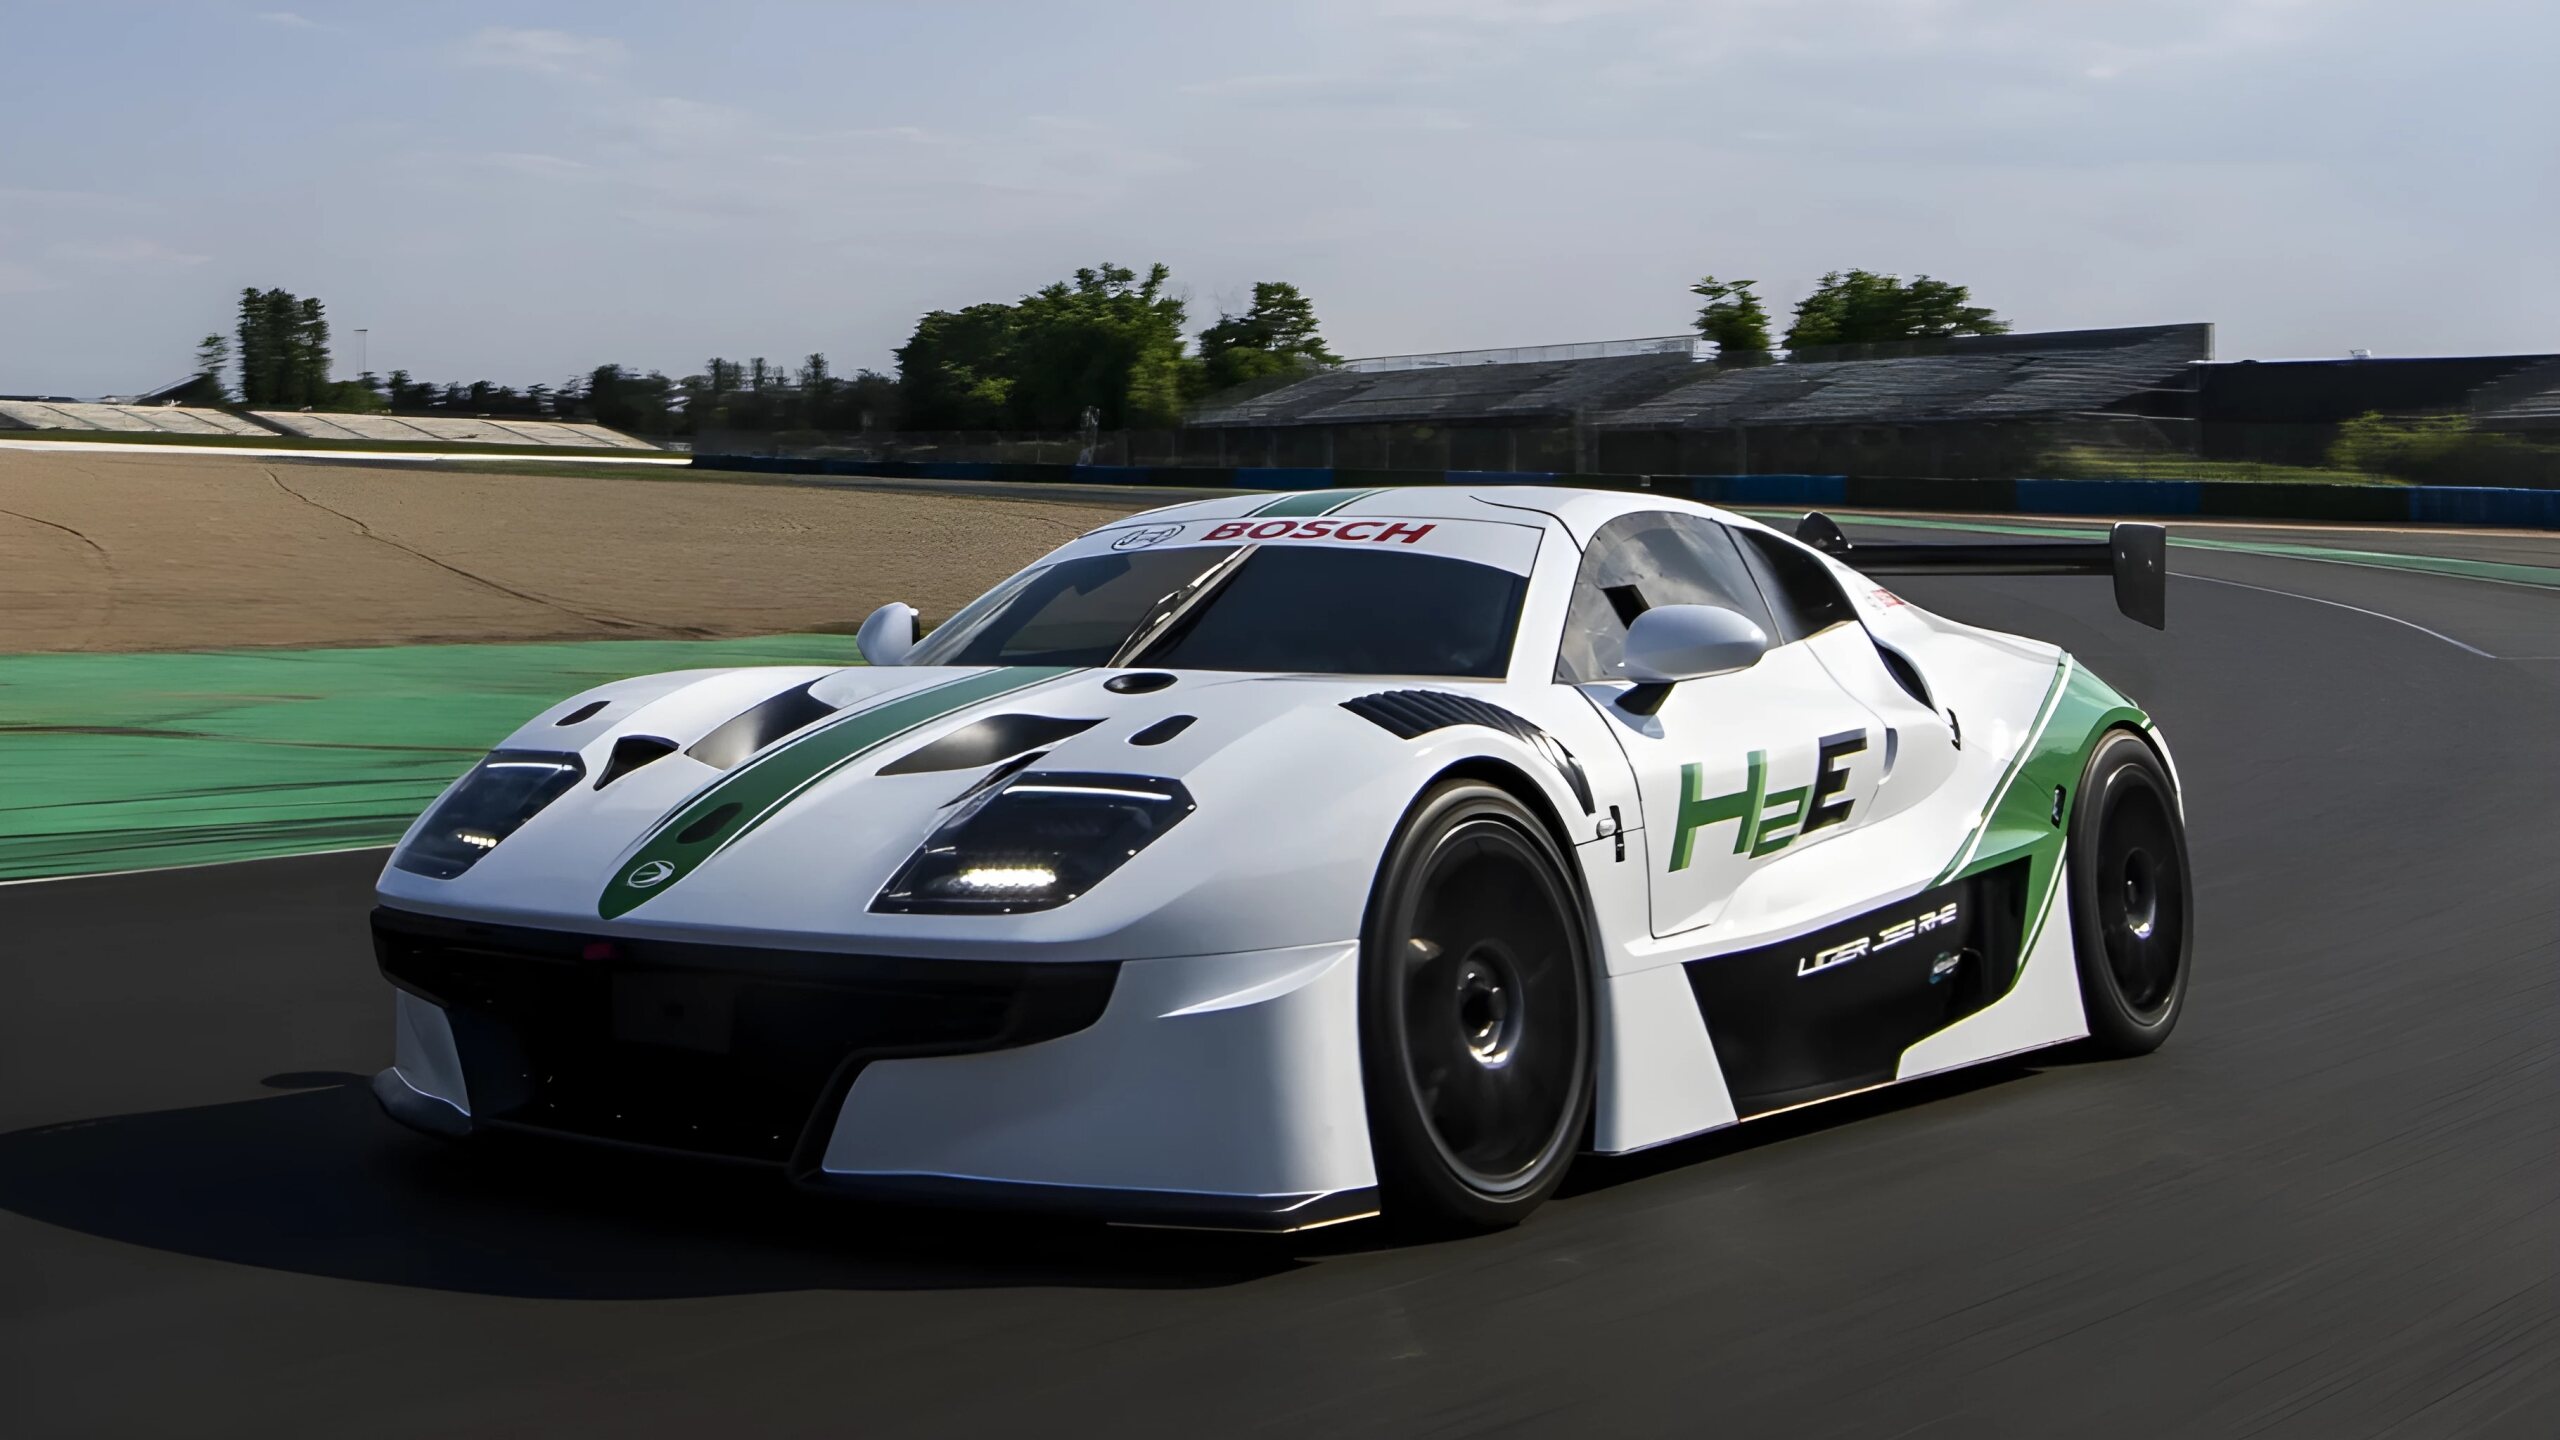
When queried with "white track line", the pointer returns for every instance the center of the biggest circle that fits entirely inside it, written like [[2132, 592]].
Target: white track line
[[191, 865], [95, 447], [2338, 605]]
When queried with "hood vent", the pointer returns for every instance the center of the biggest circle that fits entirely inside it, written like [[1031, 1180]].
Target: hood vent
[[745, 734], [1408, 713], [1163, 730], [984, 742]]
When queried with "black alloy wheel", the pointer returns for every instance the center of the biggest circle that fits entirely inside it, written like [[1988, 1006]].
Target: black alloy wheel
[[1475, 1013], [2130, 898]]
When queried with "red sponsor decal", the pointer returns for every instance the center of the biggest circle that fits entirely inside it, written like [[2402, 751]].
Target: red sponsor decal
[[1375, 531]]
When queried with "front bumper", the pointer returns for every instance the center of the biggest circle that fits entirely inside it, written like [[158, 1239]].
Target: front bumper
[[1219, 1090]]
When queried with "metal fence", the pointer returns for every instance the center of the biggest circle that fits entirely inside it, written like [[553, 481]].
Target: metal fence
[[2095, 446], [1967, 450]]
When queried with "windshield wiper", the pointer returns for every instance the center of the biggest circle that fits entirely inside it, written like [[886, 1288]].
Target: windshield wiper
[[1174, 607]]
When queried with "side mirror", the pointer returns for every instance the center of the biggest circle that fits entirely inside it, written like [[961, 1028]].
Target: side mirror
[[888, 635], [1672, 643]]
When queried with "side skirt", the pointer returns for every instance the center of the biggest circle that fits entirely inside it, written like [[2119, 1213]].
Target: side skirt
[[1145, 1209], [1666, 1078], [1834, 1011]]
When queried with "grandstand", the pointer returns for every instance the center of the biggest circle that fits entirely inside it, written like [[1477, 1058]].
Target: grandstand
[[2528, 399], [448, 430], [1990, 377], [1658, 405], [1459, 388], [111, 419], [123, 419]]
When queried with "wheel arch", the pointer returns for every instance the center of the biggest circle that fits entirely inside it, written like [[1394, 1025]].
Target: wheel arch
[[1510, 778], [1506, 776]]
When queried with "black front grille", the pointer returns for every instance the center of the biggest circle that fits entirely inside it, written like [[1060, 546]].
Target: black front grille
[[721, 1050]]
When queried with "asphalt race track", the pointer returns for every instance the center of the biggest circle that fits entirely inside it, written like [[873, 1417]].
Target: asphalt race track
[[2329, 1208]]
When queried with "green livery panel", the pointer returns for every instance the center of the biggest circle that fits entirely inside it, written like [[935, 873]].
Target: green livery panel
[[1311, 502], [2024, 819], [743, 799]]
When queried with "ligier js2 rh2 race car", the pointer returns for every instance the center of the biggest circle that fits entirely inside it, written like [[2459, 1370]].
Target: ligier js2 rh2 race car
[[1269, 863]]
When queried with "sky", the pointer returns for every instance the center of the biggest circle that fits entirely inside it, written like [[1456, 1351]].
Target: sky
[[520, 192]]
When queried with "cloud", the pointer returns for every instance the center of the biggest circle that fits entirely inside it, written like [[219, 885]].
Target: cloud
[[555, 53], [287, 20]]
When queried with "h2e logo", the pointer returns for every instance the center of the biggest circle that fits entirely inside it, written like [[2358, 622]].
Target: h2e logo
[[1757, 832]]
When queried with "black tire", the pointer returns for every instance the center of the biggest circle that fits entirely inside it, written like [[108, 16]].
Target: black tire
[[1475, 1013], [2132, 900]]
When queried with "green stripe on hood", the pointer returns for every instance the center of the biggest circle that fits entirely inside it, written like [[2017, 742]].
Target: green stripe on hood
[[1311, 502], [744, 798]]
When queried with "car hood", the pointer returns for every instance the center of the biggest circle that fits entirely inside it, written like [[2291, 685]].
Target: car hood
[[790, 840]]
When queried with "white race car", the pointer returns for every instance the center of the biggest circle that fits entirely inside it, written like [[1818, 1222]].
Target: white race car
[[1265, 864]]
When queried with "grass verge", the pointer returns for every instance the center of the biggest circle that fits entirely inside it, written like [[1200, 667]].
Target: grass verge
[[137, 761]]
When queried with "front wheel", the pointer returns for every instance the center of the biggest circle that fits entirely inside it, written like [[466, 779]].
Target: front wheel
[[2133, 922], [1475, 1013]]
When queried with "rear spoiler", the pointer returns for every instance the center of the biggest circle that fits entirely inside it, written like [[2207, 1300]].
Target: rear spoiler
[[2136, 555]]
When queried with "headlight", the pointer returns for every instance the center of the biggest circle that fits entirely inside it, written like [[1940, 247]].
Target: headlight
[[497, 797], [1035, 842]]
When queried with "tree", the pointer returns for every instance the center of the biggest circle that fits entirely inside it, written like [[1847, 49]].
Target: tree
[[1733, 317], [817, 390], [213, 356], [621, 400], [1106, 341], [1860, 307], [360, 396], [957, 371], [869, 401], [261, 351], [1275, 335], [284, 349], [309, 342]]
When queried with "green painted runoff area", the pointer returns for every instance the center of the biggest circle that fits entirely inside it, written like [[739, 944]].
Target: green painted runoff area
[[129, 762]]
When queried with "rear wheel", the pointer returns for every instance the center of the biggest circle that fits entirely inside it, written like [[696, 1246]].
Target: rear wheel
[[2131, 914], [1475, 1013]]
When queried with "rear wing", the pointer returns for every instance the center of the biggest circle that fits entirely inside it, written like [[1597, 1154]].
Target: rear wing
[[2136, 555]]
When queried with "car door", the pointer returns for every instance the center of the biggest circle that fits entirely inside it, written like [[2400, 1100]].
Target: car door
[[1811, 606], [1740, 777]]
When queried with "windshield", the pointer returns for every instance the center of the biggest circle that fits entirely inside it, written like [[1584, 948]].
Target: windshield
[[1287, 608]]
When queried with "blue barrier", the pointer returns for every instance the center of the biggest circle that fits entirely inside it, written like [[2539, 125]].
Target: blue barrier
[[1280, 478], [2479, 505], [1807, 490]]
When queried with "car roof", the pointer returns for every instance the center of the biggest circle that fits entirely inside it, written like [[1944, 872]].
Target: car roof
[[1581, 512]]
